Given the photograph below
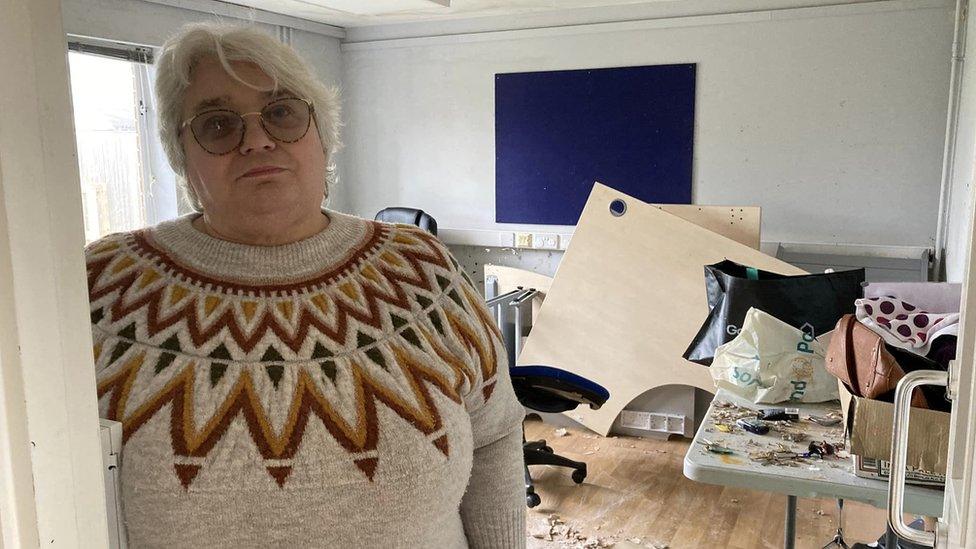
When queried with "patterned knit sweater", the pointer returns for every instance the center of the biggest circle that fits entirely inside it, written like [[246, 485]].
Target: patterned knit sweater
[[347, 390]]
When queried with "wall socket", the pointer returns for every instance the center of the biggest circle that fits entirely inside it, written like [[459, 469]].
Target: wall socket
[[545, 241], [537, 241]]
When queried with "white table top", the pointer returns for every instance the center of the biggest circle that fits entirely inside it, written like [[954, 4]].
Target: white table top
[[830, 478]]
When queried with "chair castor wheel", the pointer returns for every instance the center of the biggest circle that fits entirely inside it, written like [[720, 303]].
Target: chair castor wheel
[[579, 475], [532, 499]]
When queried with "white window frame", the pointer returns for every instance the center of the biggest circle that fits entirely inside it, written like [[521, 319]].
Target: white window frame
[[162, 197]]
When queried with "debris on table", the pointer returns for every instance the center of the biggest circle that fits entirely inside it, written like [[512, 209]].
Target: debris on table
[[779, 414], [784, 424], [716, 448], [822, 448], [829, 419], [789, 431], [561, 432], [778, 454]]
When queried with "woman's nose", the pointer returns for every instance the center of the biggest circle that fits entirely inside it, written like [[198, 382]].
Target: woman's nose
[[255, 137]]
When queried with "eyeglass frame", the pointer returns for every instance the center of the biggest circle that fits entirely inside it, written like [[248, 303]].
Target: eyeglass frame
[[311, 113]]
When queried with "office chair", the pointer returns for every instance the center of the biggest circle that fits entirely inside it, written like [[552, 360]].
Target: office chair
[[408, 216], [545, 389]]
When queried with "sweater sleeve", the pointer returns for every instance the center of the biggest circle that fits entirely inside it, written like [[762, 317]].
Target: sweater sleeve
[[493, 506]]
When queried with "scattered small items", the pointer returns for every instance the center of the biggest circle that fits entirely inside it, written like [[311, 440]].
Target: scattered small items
[[829, 420], [779, 414], [787, 424], [715, 448], [561, 432], [788, 434], [822, 448], [780, 454], [755, 427]]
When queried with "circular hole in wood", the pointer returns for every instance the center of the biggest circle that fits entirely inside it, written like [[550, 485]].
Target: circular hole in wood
[[618, 207]]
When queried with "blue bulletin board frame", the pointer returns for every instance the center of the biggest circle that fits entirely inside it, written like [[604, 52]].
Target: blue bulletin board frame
[[557, 132]]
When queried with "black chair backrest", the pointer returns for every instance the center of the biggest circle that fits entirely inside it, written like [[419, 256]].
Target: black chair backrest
[[409, 216]]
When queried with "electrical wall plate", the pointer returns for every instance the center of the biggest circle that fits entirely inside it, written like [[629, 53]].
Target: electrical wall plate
[[545, 241]]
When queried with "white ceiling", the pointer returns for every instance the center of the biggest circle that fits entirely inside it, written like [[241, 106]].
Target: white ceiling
[[360, 13]]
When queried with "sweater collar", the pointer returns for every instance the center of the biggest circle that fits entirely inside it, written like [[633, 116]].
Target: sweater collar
[[344, 237]]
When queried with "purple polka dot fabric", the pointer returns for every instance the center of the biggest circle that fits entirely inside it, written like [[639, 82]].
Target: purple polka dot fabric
[[903, 325]]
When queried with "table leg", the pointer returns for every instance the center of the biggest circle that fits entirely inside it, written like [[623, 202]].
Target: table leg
[[789, 533]]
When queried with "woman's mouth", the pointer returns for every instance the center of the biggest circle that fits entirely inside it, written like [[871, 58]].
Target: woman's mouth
[[262, 171]]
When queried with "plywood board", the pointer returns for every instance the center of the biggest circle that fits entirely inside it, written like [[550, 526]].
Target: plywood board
[[511, 278], [740, 223], [628, 298]]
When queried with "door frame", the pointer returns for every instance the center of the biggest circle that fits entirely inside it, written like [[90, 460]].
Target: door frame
[[51, 489]]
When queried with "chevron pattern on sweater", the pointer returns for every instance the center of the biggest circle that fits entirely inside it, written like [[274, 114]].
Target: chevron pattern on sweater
[[395, 321]]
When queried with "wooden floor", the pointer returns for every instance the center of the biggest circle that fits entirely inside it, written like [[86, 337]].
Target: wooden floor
[[636, 496]]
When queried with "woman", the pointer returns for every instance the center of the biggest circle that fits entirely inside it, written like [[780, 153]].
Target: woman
[[288, 375]]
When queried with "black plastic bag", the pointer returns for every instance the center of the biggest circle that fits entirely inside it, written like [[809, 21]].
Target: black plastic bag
[[813, 303]]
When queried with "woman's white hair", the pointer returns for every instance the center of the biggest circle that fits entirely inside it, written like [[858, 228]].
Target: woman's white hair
[[230, 42]]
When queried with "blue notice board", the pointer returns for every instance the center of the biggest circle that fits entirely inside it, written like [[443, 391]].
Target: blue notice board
[[556, 132]]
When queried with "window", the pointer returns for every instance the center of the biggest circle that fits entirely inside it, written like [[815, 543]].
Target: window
[[126, 183]]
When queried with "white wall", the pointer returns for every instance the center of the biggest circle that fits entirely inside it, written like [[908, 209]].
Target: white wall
[[832, 119]]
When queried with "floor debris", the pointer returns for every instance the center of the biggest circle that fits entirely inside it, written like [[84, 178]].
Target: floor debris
[[561, 432]]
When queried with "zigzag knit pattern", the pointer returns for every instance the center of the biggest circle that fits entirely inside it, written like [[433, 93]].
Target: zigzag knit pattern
[[392, 322]]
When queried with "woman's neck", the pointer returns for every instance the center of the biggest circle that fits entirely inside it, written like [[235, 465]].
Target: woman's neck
[[271, 233]]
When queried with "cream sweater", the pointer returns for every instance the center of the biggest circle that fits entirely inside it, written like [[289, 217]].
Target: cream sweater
[[348, 390]]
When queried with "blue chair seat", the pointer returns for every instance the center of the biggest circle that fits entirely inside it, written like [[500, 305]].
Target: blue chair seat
[[548, 389]]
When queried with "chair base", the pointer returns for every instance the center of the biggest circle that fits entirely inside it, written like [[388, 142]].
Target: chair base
[[537, 452]]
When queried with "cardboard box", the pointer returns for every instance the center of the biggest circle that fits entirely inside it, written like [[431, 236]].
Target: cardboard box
[[880, 470], [869, 432]]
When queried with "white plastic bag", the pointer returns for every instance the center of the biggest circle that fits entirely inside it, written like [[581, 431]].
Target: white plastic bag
[[770, 361]]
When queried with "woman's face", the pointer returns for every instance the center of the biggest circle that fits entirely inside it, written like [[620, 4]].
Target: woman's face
[[263, 178]]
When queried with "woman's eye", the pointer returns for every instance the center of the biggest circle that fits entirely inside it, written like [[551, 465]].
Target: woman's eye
[[280, 111], [218, 123]]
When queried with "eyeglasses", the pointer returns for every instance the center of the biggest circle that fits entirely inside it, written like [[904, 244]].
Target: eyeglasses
[[220, 131]]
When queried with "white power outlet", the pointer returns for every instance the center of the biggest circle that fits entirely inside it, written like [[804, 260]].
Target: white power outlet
[[545, 241]]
